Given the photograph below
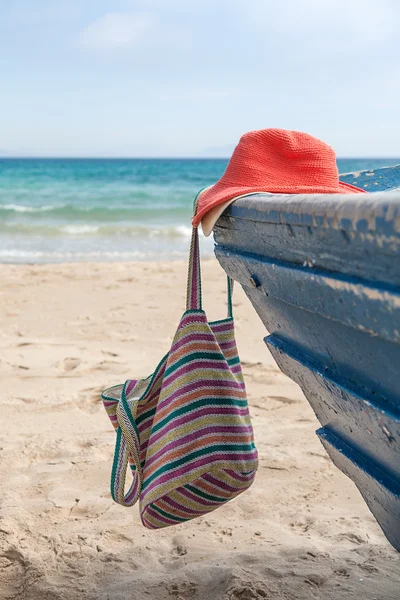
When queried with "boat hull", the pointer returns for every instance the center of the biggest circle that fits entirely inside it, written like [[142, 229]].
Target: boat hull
[[323, 274]]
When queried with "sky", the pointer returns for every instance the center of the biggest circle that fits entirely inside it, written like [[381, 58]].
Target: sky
[[185, 78]]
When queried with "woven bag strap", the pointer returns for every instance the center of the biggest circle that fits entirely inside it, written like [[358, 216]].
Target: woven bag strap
[[126, 447], [230, 283], [193, 293], [118, 476]]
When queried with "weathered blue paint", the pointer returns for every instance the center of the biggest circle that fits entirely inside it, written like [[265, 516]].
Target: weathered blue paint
[[356, 417], [319, 231], [325, 335], [379, 490], [328, 291], [356, 429], [374, 180], [352, 301]]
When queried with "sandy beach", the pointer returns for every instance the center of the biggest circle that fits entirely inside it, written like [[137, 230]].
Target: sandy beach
[[71, 330]]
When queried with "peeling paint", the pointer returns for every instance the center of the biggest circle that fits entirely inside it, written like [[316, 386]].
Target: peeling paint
[[388, 434], [381, 210]]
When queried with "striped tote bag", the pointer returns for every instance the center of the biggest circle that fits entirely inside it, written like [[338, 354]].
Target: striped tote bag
[[185, 432]]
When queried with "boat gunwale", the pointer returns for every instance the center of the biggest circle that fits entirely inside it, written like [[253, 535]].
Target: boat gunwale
[[378, 212]]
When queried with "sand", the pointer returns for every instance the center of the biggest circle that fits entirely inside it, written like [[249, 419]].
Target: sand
[[69, 331]]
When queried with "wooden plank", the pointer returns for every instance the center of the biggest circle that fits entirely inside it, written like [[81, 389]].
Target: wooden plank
[[336, 233], [380, 492], [326, 334], [355, 417], [361, 437], [353, 302]]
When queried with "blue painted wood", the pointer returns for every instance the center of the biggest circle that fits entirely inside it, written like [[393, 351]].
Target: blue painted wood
[[374, 180], [357, 417], [335, 233], [379, 490], [365, 359], [363, 305], [328, 270]]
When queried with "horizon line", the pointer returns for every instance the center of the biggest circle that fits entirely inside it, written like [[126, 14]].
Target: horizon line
[[61, 157]]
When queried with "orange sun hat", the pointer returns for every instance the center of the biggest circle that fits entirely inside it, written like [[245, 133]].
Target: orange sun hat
[[276, 161]]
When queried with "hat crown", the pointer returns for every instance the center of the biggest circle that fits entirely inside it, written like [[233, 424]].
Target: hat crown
[[278, 159]]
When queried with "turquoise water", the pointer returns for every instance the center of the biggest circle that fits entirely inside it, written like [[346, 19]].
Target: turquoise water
[[59, 210]]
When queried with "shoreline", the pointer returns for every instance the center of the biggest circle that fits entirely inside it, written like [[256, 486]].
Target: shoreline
[[104, 263]]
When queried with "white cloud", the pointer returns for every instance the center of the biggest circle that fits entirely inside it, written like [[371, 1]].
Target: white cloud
[[128, 30], [118, 31], [368, 20]]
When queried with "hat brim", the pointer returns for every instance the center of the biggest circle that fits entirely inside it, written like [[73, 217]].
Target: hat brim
[[210, 218]]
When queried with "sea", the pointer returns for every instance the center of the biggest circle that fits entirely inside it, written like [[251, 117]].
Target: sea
[[67, 210]]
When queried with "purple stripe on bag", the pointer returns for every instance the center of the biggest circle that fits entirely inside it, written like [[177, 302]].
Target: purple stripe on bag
[[197, 435], [191, 318], [202, 412], [155, 514], [130, 386], [211, 364], [240, 476], [219, 384], [222, 327], [221, 484], [179, 506], [190, 496], [189, 339], [133, 493], [227, 345], [210, 459]]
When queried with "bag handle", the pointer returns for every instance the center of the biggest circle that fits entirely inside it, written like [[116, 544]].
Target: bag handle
[[126, 447], [118, 476], [193, 292]]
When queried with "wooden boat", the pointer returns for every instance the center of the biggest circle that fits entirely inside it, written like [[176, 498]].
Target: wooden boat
[[323, 274]]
